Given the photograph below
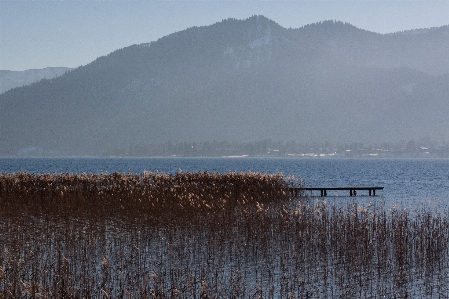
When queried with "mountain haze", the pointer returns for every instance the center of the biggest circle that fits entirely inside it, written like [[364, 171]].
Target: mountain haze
[[12, 79], [239, 80]]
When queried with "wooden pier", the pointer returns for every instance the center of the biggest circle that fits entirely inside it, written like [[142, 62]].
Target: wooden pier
[[295, 191]]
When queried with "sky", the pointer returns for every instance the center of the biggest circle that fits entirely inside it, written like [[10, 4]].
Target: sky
[[48, 33]]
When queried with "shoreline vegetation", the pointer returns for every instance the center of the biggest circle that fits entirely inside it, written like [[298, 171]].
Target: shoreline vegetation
[[424, 148], [148, 194], [210, 235]]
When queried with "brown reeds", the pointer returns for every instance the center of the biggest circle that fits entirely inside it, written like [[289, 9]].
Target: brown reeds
[[250, 248], [148, 193]]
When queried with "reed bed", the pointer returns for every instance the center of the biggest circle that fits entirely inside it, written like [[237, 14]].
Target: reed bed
[[146, 194], [278, 248]]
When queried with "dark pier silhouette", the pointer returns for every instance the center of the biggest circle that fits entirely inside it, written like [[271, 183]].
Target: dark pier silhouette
[[295, 191]]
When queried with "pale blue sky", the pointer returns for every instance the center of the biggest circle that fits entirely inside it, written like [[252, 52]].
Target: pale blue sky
[[43, 33]]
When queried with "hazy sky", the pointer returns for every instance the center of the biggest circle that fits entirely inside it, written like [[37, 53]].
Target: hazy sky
[[43, 33]]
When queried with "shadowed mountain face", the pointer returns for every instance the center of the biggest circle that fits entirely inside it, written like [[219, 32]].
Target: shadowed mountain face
[[239, 80]]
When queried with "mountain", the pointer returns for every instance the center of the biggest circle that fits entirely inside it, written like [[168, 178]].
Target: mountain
[[12, 79], [239, 80]]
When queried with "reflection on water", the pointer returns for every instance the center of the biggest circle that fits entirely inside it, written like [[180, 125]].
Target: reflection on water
[[302, 249]]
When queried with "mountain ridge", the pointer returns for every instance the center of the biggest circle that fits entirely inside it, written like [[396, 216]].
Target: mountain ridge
[[12, 79], [237, 80]]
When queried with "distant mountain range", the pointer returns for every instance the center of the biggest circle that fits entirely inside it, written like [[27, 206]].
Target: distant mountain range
[[239, 80], [13, 79]]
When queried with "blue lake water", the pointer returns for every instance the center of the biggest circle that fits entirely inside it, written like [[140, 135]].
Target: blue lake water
[[320, 273], [408, 182]]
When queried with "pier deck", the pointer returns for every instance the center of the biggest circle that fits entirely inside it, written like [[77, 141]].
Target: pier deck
[[295, 191]]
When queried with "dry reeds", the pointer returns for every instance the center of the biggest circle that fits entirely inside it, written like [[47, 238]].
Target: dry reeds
[[250, 247], [148, 193]]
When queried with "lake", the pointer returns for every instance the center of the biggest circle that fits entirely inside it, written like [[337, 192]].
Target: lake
[[305, 249], [408, 182]]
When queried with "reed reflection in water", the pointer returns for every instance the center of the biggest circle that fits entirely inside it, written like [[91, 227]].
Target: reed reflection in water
[[284, 248]]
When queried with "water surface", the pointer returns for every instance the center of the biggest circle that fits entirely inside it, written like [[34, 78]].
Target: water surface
[[408, 182]]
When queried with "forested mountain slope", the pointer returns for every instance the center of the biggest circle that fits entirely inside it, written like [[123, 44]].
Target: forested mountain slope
[[239, 80]]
